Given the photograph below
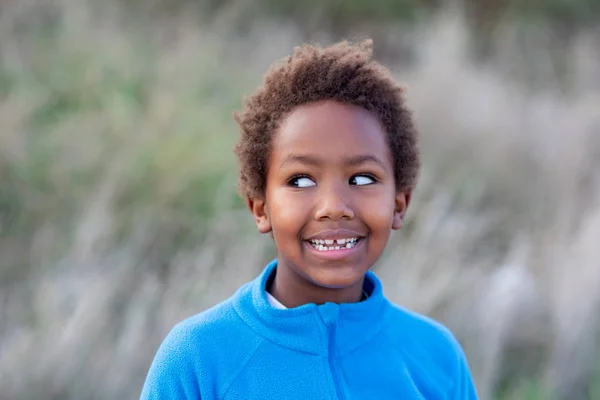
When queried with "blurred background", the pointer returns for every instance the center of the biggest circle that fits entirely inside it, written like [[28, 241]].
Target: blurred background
[[118, 208]]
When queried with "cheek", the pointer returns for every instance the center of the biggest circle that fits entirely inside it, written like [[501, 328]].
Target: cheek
[[378, 211], [287, 211]]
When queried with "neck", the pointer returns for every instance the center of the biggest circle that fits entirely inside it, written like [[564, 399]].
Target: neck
[[293, 290]]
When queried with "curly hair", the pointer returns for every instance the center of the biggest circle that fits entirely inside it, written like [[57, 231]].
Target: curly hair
[[343, 72]]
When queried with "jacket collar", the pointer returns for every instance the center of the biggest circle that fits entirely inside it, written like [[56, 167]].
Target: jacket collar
[[310, 328]]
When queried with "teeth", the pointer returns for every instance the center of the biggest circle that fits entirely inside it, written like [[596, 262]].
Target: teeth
[[329, 242], [340, 244]]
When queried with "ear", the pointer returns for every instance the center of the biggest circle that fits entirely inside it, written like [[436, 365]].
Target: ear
[[402, 202], [258, 208]]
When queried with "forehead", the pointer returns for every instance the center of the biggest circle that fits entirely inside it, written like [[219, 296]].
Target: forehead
[[332, 130]]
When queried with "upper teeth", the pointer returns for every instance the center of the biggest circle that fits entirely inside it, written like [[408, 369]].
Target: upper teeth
[[333, 244], [330, 242]]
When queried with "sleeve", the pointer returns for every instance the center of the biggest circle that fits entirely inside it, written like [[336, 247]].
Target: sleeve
[[464, 387], [173, 374]]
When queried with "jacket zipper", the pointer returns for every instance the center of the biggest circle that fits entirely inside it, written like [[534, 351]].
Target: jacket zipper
[[338, 389]]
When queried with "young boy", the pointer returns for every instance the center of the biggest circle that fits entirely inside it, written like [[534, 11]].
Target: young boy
[[329, 159]]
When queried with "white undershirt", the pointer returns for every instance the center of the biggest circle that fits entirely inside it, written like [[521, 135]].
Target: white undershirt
[[275, 303]]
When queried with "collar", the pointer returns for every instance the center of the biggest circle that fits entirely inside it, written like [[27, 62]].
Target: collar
[[311, 328], [277, 304], [274, 302]]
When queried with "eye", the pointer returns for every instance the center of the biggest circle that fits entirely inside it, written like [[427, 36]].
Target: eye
[[302, 182], [361, 180]]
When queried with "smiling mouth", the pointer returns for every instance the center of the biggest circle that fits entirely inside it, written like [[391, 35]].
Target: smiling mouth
[[333, 244]]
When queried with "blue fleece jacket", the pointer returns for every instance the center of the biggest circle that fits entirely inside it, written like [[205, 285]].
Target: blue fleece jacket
[[244, 348]]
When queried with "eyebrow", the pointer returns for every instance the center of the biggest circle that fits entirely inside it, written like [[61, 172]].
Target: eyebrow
[[350, 161]]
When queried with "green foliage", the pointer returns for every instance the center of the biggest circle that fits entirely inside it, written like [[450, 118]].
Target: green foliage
[[349, 12], [97, 112], [557, 11], [526, 390], [344, 14]]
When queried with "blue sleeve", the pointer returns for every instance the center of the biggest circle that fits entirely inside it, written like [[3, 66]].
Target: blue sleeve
[[464, 387], [173, 374]]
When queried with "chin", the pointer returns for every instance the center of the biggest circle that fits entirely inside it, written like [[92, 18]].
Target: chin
[[337, 279]]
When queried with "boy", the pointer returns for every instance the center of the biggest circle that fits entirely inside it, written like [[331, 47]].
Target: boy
[[329, 158]]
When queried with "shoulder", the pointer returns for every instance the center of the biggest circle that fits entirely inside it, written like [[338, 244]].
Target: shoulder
[[207, 347], [420, 329], [213, 334], [430, 348], [202, 326]]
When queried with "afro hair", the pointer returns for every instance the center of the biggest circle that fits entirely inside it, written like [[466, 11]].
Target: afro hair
[[343, 72]]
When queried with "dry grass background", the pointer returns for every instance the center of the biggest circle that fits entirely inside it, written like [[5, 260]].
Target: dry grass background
[[118, 214]]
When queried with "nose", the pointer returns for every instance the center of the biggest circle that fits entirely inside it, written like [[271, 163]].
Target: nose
[[333, 204]]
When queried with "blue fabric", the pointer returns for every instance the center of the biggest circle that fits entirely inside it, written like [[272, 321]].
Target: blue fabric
[[244, 348]]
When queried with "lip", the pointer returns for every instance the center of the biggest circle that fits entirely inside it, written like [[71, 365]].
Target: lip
[[335, 234], [333, 255]]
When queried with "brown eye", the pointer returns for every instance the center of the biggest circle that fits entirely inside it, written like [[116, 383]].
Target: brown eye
[[362, 180], [302, 182]]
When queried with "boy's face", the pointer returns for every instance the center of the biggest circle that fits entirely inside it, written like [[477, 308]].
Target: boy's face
[[330, 199]]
